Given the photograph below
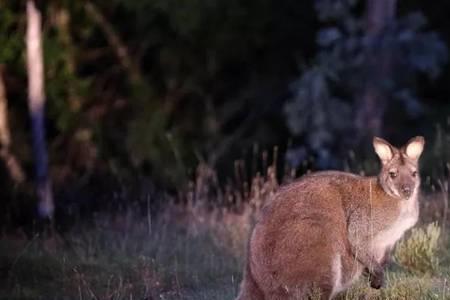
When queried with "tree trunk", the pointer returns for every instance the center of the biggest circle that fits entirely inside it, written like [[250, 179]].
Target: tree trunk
[[12, 164], [36, 103], [371, 103]]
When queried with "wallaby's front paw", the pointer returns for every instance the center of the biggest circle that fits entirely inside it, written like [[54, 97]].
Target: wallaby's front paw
[[376, 280]]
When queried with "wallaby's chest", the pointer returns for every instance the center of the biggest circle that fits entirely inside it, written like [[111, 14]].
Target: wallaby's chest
[[386, 238]]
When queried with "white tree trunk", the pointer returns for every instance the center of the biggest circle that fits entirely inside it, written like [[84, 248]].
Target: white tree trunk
[[36, 103]]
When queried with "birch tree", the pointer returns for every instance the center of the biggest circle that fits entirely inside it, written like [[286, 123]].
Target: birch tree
[[36, 105]]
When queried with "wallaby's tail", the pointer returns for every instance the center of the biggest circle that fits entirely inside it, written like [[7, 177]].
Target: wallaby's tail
[[249, 289]]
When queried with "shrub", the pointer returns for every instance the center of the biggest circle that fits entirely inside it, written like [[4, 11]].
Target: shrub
[[402, 286], [418, 253]]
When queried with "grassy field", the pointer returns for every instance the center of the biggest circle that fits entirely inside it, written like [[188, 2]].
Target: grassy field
[[190, 252], [137, 260], [126, 258]]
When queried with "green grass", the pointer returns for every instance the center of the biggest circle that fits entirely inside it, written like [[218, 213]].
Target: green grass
[[106, 263], [178, 257]]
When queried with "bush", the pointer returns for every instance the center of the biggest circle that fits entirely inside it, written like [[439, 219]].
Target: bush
[[418, 253]]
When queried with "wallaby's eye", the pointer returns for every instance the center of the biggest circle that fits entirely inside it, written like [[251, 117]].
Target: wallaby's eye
[[414, 173], [393, 174]]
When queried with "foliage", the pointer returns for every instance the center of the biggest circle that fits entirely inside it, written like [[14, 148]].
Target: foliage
[[419, 252], [403, 287], [399, 286], [155, 87], [11, 42], [324, 106], [313, 114]]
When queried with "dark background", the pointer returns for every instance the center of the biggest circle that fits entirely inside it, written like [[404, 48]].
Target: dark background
[[139, 93]]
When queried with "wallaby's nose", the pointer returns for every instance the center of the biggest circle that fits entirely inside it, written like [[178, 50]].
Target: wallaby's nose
[[406, 191]]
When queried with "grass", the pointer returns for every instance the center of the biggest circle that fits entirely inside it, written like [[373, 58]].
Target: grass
[[170, 260], [105, 263], [187, 252]]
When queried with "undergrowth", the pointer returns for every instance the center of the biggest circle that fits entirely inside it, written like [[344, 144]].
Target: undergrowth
[[419, 253]]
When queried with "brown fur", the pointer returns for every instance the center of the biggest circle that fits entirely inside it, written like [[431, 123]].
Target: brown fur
[[324, 230]]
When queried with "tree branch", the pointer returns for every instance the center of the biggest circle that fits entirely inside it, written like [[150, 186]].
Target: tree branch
[[114, 41], [12, 164]]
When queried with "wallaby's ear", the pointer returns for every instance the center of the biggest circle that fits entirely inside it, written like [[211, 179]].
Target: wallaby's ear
[[414, 147], [384, 150]]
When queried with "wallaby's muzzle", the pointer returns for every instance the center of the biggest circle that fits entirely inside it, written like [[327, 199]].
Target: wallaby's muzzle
[[406, 191]]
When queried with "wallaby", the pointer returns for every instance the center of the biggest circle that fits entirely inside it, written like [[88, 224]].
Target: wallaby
[[323, 231]]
